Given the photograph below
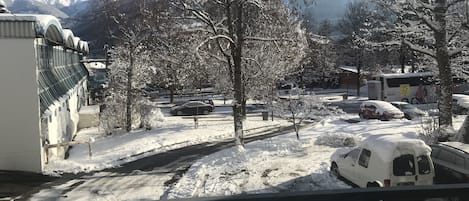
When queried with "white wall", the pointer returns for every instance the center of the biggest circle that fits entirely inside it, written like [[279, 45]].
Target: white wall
[[20, 143], [63, 122]]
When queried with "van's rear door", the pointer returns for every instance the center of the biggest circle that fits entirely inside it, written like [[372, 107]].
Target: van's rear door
[[411, 170], [404, 170], [425, 170]]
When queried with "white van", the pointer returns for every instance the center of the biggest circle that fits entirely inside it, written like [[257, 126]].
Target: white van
[[385, 160]]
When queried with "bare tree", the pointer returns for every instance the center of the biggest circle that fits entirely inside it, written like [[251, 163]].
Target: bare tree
[[298, 108]]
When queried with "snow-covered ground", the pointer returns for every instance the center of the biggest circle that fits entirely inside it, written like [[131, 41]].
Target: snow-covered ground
[[278, 164], [282, 163], [175, 132]]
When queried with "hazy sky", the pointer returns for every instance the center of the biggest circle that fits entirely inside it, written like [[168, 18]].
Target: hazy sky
[[328, 9]]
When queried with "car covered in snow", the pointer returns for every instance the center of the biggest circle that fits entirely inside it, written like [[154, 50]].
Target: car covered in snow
[[410, 111], [375, 109], [451, 161], [385, 160], [192, 108], [460, 103]]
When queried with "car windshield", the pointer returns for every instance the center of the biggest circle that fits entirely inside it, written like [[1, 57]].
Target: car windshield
[[175, 99]]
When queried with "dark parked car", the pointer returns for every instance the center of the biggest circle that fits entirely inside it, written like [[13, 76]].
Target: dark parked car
[[451, 161], [410, 111], [192, 108]]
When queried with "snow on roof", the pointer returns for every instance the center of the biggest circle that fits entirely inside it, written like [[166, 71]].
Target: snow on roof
[[388, 146], [76, 42], [403, 75], [48, 27], [400, 103], [95, 65], [382, 106], [457, 145], [352, 69], [68, 38]]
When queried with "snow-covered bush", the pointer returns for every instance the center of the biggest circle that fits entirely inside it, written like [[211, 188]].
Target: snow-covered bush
[[337, 140], [431, 132]]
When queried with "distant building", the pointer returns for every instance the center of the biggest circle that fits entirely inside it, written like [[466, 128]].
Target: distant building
[[43, 86]]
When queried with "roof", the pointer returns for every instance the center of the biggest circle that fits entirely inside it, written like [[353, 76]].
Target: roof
[[39, 26], [351, 69], [403, 75], [458, 145], [383, 145]]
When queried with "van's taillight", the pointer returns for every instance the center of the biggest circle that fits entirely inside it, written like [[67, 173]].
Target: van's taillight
[[387, 182]]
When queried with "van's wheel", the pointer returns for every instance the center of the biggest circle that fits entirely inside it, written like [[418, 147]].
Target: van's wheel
[[179, 113], [205, 112], [414, 101], [335, 170], [372, 184]]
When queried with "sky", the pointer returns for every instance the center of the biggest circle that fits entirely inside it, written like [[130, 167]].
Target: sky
[[327, 9]]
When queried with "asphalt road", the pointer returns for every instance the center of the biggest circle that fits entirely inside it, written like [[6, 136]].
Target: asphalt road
[[159, 171]]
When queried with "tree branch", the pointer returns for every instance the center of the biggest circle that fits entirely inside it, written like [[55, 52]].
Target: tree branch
[[457, 51], [418, 49]]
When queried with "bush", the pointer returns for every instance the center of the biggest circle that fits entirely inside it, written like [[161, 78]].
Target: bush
[[337, 140]]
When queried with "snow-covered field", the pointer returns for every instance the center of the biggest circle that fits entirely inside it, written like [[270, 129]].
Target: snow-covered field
[[175, 132]]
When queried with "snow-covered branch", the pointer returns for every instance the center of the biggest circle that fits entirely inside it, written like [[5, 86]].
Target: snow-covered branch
[[419, 49]]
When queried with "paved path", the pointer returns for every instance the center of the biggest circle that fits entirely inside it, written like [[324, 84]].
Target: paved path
[[146, 178]]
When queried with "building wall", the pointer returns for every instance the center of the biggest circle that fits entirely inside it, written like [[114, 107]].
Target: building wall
[[61, 79], [20, 144]]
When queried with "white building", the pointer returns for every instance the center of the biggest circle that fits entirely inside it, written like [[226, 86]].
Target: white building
[[42, 85]]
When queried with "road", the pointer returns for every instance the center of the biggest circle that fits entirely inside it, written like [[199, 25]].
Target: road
[[146, 178]]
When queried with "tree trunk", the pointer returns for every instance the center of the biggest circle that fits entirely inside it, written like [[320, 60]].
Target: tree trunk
[[358, 76], [243, 108], [171, 94], [295, 126], [402, 57], [128, 116], [443, 62], [238, 82]]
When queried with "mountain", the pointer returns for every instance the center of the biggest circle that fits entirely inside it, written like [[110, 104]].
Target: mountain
[[56, 3], [59, 8]]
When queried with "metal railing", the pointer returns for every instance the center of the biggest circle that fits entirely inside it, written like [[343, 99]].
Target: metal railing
[[63, 144], [458, 192]]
